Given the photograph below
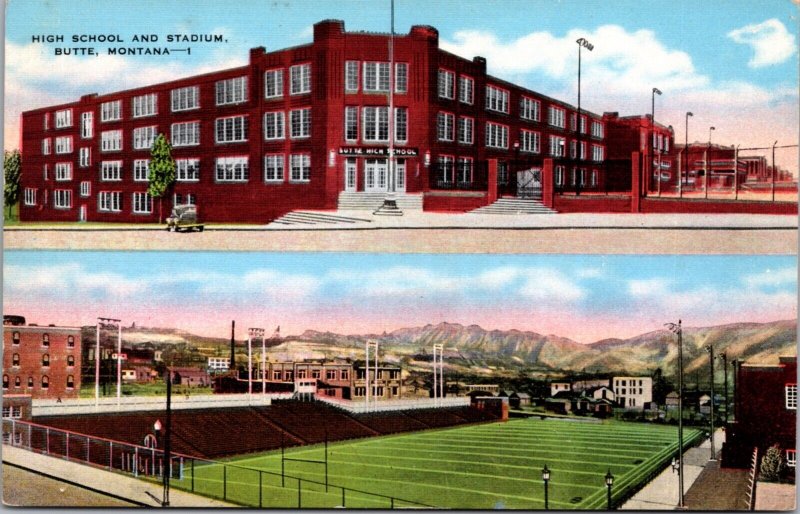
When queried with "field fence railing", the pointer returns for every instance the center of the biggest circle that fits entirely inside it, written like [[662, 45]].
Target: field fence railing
[[229, 482], [361, 407]]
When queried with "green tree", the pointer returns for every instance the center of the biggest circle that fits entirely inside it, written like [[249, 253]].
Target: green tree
[[162, 171], [772, 464], [12, 166]]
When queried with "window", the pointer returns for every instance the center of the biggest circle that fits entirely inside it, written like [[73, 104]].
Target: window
[[187, 170], [111, 141], [446, 84], [529, 109], [15, 338], [47, 121], [185, 134], [145, 105], [557, 145], [351, 76], [15, 360], [597, 153], [111, 170], [791, 396], [141, 170], [466, 129], [46, 360], [330, 374], [185, 98], [63, 171], [232, 169], [375, 123], [64, 118], [597, 129], [574, 118], [531, 141], [345, 374], [30, 196], [84, 157], [70, 361], [466, 90], [30, 382], [46, 175], [496, 99], [17, 384], [401, 77], [502, 172], [556, 116], [45, 382], [109, 201], [300, 120], [70, 382], [64, 144], [232, 91], [791, 458], [300, 79], [273, 125], [401, 124], [87, 125], [46, 147], [273, 168], [142, 203], [445, 126], [351, 123], [300, 168], [666, 144], [231, 130], [70, 341], [111, 111], [376, 77], [464, 176], [5, 386], [496, 135], [187, 199], [143, 138], [62, 198], [446, 168]]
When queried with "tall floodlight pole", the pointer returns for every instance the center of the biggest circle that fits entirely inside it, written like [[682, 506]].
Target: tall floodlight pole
[[582, 43], [438, 374], [103, 322], [368, 385], [119, 363], [255, 333], [773, 169], [366, 374], [97, 366], [656, 91], [705, 162], [686, 151], [678, 330], [710, 350], [736, 173], [724, 357]]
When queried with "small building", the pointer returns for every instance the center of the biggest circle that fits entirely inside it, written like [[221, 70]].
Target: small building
[[633, 392], [191, 377], [486, 389], [672, 400], [517, 400], [601, 393], [557, 387], [216, 364]]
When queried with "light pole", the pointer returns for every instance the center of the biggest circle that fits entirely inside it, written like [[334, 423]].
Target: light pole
[[545, 479], [609, 483], [255, 333], [678, 330], [582, 43], [105, 323], [705, 162], [735, 363], [389, 206], [773, 169], [686, 151], [656, 91], [724, 357], [710, 350]]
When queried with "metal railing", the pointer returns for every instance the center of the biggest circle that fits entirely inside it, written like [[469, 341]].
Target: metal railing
[[751, 481], [359, 407], [229, 482]]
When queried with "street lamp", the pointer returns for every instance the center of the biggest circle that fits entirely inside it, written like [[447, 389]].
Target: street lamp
[[545, 479], [724, 357], [678, 330], [656, 91], [710, 350], [609, 483], [686, 151]]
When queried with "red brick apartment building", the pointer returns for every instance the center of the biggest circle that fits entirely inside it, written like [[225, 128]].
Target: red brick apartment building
[[300, 127], [765, 412], [44, 362]]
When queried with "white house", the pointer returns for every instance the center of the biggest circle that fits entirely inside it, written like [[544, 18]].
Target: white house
[[633, 392]]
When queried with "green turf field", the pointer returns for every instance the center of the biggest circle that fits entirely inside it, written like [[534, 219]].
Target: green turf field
[[482, 466]]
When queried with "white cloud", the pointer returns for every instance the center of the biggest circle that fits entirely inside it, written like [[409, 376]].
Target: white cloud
[[71, 279], [770, 41], [398, 280], [550, 286], [652, 287], [773, 278], [497, 278]]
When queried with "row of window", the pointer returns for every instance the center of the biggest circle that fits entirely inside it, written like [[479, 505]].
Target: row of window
[[375, 124], [15, 360], [577, 177], [45, 384], [375, 77], [15, 340]]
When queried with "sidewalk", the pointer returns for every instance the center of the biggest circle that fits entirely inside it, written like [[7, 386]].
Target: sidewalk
[[115, 484], [662, 492]]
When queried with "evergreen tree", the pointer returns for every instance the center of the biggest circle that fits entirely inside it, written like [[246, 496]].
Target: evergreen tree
[[12, 166], [772, 464], [162, 171]]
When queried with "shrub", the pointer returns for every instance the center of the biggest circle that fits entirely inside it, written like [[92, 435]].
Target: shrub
[[772, 464]]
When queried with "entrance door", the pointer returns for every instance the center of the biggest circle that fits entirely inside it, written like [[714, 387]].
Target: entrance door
[[350, 169], [82, 213], [529, 183], [375, 175], [400, 169]]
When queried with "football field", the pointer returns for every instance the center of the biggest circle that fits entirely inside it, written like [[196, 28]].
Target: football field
[[485, 466]]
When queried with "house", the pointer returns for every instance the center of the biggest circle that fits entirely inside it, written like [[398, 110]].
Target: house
[[633, 392], [518, 400], [601, 393], [191, 377], [557, 387]]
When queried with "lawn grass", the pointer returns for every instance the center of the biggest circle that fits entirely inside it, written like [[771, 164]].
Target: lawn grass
[[474, 467]]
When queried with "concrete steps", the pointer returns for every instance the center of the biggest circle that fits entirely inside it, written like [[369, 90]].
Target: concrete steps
[[316, 218], [359, 201], [514, 206]]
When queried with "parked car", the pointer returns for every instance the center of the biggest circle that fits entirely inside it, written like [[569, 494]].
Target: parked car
[[184, 217]]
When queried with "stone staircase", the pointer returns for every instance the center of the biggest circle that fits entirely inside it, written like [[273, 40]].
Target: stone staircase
[[514, 206], [359, 201], [300, 218]]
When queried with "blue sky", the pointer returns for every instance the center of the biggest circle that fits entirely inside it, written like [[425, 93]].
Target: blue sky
[[733, 63], [584, 297]]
